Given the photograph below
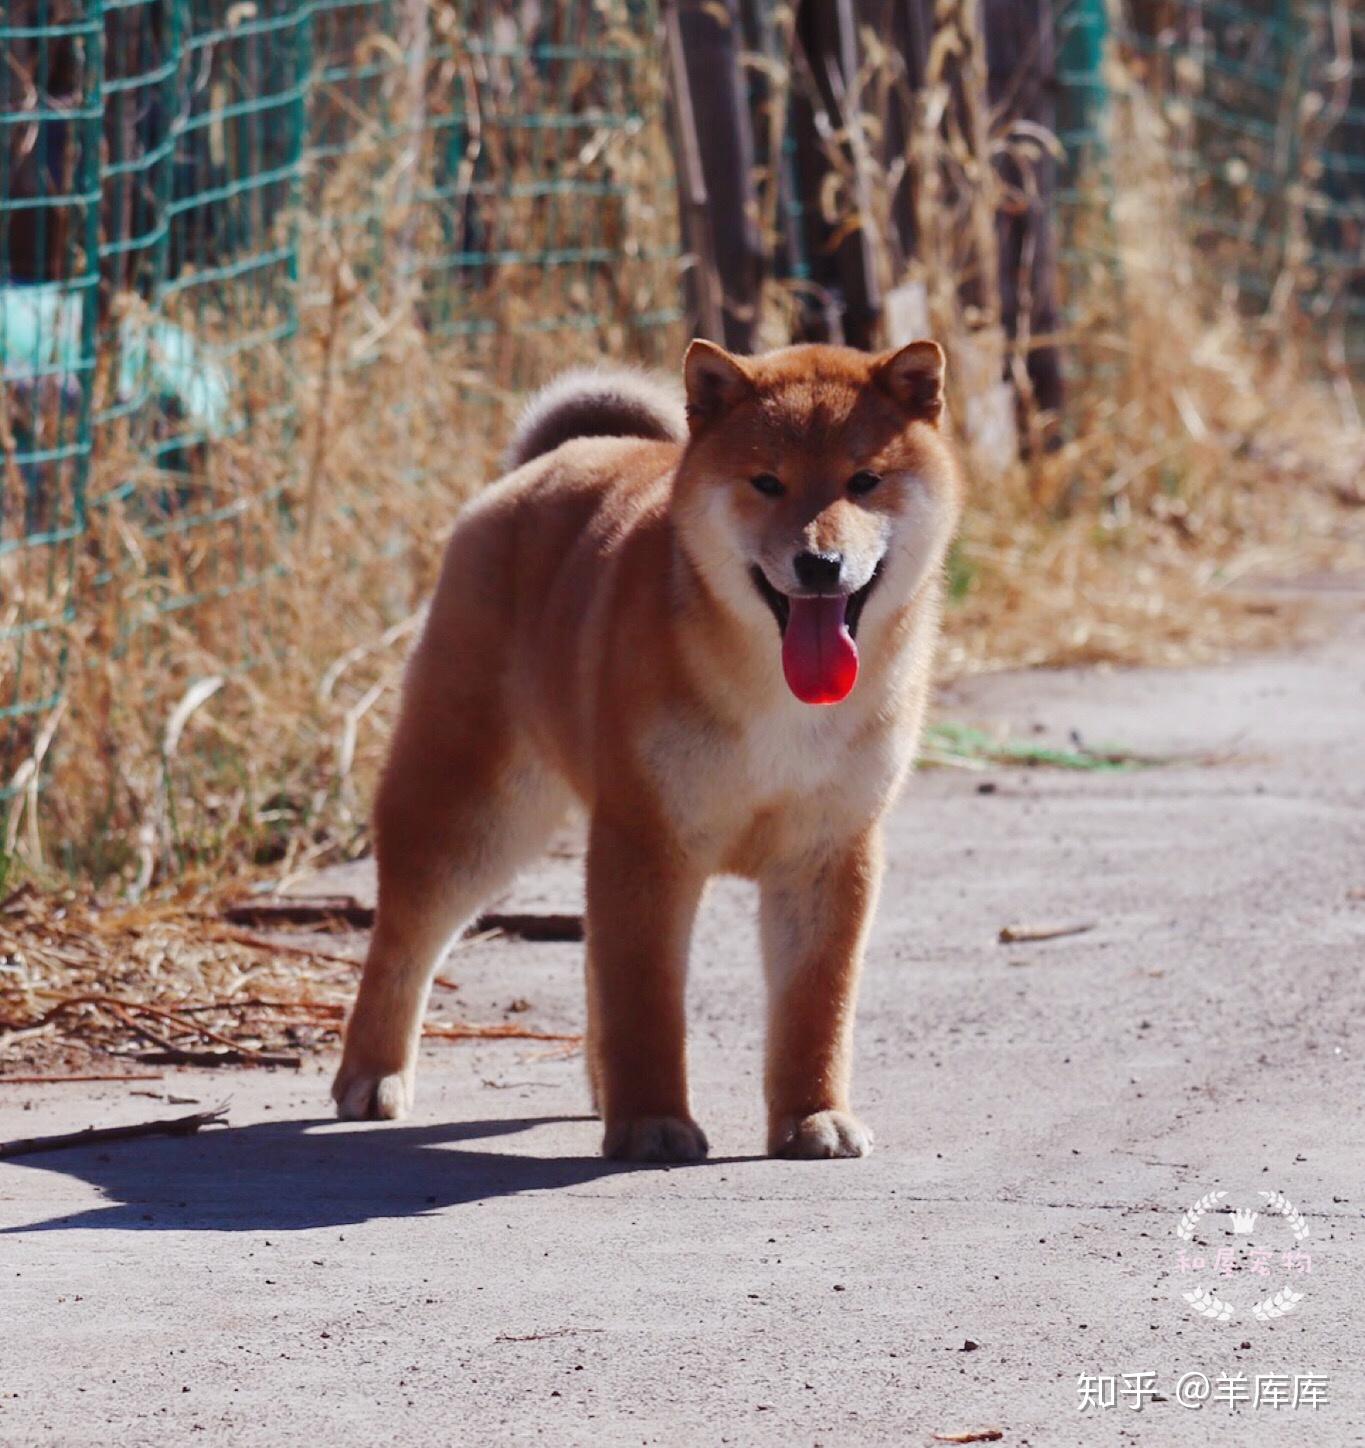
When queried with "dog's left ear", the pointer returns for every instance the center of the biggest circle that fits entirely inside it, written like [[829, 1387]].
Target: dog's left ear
[[913, 376], [715, 382]]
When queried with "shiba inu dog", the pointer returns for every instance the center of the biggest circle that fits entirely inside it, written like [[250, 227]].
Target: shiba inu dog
[[714, 630]]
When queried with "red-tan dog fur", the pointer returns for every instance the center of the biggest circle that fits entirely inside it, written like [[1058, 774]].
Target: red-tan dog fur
[[609, 628]]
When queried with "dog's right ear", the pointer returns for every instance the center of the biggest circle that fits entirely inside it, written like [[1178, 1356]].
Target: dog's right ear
[[715, 382], [913, 376]]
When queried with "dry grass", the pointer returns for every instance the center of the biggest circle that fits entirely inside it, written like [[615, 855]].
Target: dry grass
[[170, 983], [239, 739]]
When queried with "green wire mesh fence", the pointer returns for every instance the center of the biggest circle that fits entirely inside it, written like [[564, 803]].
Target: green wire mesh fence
[[51, 108], [225, 309], [167, 170], [1261, 110], [1266, 106], [533, 184]]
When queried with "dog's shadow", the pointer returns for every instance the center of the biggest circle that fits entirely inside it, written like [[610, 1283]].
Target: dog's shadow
[[294, 1175]]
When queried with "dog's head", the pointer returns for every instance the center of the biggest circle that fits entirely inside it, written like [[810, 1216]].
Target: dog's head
[[816, 487]]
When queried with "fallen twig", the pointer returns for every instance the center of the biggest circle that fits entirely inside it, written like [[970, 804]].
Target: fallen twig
[[1014, 934], [233, 1056], [531, 925], [497, 1032], [981, 1435], [64, 1080], [121, 1007], [92, 1135], [322, 909], [300, 910], [140, 1028], [263, 942], [333, 1011]]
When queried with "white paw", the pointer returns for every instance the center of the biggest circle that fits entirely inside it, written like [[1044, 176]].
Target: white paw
[[655, 1138], [819, 1137], [368, 1096]]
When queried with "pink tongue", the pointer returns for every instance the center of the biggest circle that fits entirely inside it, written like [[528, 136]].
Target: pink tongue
[[819, 656]]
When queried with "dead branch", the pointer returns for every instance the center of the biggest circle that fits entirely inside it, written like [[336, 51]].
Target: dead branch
[[528, 925], [96, 1135], [65, 1080], [235, 1056], [300, 910], [1016, 934]]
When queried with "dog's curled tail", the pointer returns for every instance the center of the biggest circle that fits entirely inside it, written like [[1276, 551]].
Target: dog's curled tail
[[596, 402]]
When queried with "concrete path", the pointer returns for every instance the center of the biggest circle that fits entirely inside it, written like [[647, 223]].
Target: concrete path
[[1044, 1113]]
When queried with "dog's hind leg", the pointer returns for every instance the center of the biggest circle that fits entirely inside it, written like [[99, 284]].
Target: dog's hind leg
[[462, 805], [642, 897]]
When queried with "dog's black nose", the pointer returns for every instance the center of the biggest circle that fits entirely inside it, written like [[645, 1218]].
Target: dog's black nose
[[819, 571]]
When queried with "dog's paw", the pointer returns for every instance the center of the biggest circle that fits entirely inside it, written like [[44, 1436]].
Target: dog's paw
[[821, 1136], [363, 1095], [655, 1138]]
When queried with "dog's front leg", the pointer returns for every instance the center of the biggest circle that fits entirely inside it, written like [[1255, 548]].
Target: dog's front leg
[[815, 913], [642, 898]]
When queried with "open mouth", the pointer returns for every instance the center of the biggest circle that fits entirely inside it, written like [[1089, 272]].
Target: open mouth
[[780, 603], [819, 655]]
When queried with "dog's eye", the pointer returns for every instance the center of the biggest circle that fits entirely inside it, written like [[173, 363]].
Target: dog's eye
[[863, 482], [769, 484]]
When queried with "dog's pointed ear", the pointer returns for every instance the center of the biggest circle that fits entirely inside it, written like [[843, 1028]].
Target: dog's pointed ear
[[913, 376], [715, 382]]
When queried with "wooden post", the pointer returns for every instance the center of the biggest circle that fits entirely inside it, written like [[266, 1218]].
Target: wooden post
[[704, 282], [415, 40], [843, 256], [1022, 86]]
